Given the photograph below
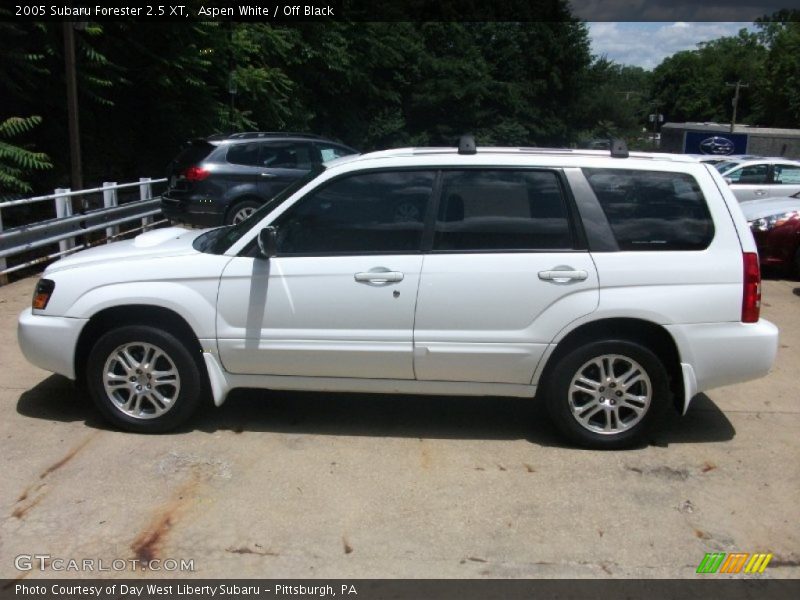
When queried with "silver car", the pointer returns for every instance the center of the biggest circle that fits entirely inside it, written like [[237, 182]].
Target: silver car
[[761, 177]]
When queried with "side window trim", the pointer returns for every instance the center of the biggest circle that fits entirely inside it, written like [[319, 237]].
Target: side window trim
[[599, 235]]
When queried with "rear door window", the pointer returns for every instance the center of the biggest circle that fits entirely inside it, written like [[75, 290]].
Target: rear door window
[[501, 210], [244, 154], [653, 210], [753, 174], [286, 155]]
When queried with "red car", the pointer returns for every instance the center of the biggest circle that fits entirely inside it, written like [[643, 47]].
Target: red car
[[775, 223]]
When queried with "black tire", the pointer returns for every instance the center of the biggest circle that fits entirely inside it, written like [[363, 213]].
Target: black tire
[[238, 206], [186, 396], [626, 430]]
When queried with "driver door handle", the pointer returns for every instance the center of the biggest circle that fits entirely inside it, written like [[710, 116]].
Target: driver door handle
[[379, 276], [266, 175], [559, 276]]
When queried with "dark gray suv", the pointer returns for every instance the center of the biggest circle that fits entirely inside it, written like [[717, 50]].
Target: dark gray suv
[[223, 180]]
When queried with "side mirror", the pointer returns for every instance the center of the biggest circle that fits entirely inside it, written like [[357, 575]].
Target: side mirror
[[268, 242], [728, 180]]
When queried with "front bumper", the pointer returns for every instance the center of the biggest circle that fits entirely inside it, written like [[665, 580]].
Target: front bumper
[[49, 342]]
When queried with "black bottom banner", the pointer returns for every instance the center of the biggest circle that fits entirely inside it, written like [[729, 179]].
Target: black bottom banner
[[397, 589]]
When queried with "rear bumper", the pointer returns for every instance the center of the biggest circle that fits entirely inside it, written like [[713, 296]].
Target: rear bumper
[[720, 354], [192, 210], [49, 342]]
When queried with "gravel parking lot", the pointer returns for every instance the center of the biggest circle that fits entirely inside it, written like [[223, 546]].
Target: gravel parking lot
[[291, 485]]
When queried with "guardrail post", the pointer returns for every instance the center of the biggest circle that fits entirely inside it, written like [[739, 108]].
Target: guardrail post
[[3, 265], [110, 199], [64, 209], [146, 193]]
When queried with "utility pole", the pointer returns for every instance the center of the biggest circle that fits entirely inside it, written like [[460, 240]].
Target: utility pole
[[735, 101], [655, 118], [231, 80], [72, 106]]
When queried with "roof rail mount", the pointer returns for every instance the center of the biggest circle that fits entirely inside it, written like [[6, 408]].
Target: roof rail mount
[[466, 144], [619, 149]]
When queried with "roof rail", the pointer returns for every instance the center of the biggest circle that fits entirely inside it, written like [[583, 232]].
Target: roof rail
[[247, 135]]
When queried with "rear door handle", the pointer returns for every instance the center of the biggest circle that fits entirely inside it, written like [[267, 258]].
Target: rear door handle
[[559, 276], [379, 277], [760, 192], [268, 175]]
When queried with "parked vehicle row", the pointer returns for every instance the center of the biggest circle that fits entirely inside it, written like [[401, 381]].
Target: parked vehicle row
[[611, 286]]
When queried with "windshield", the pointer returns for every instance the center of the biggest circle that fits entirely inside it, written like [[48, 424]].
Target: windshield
[[217, 241]]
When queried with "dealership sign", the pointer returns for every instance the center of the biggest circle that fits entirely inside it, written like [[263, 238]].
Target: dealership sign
[[721, 144]]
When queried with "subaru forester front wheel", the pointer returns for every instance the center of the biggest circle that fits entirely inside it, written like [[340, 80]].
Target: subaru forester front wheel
[[143, 379]]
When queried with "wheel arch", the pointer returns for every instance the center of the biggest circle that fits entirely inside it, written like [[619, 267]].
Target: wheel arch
[[647, 333], [134, 314], [237, 200]]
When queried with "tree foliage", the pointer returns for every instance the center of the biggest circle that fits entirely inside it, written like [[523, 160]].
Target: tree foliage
[[780, 99], [16, 161], [693, 85], [145, 88]]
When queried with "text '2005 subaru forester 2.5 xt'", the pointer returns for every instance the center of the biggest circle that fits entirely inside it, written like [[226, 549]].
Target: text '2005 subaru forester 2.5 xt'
[[611, 285]]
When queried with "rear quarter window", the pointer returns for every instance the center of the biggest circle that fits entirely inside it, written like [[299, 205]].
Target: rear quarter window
[[653, 210]]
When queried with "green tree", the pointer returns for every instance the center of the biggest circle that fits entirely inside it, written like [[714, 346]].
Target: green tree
[[16, 161], [616, 101], [692, 85], [779, 93]]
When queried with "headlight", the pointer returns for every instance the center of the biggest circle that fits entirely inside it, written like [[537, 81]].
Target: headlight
[[773, 221], [41, 295]]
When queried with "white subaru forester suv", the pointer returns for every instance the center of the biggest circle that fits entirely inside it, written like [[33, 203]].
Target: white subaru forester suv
[[611, 285]]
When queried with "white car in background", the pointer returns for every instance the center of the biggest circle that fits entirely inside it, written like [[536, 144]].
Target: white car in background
[[761, 177], [612, 286]]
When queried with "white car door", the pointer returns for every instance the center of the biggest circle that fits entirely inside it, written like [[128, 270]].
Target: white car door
[[749, 182], [338, 300], [502, 278]]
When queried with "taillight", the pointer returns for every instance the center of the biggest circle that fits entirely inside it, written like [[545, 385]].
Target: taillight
[[195, 174], [751, 298]]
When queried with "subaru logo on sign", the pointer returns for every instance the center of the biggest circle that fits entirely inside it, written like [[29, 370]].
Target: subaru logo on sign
[[716, 145]]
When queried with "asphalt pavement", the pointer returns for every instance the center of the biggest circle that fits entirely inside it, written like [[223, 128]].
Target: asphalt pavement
[[297, 485]]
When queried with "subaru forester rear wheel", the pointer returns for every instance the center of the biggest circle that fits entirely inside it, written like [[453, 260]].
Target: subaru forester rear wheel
[[607, 394]]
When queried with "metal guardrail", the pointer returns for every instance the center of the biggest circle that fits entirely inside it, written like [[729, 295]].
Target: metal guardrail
[[66, 227]]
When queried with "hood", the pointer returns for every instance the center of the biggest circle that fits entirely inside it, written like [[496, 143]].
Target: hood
[[171, 241], [758, 209]]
